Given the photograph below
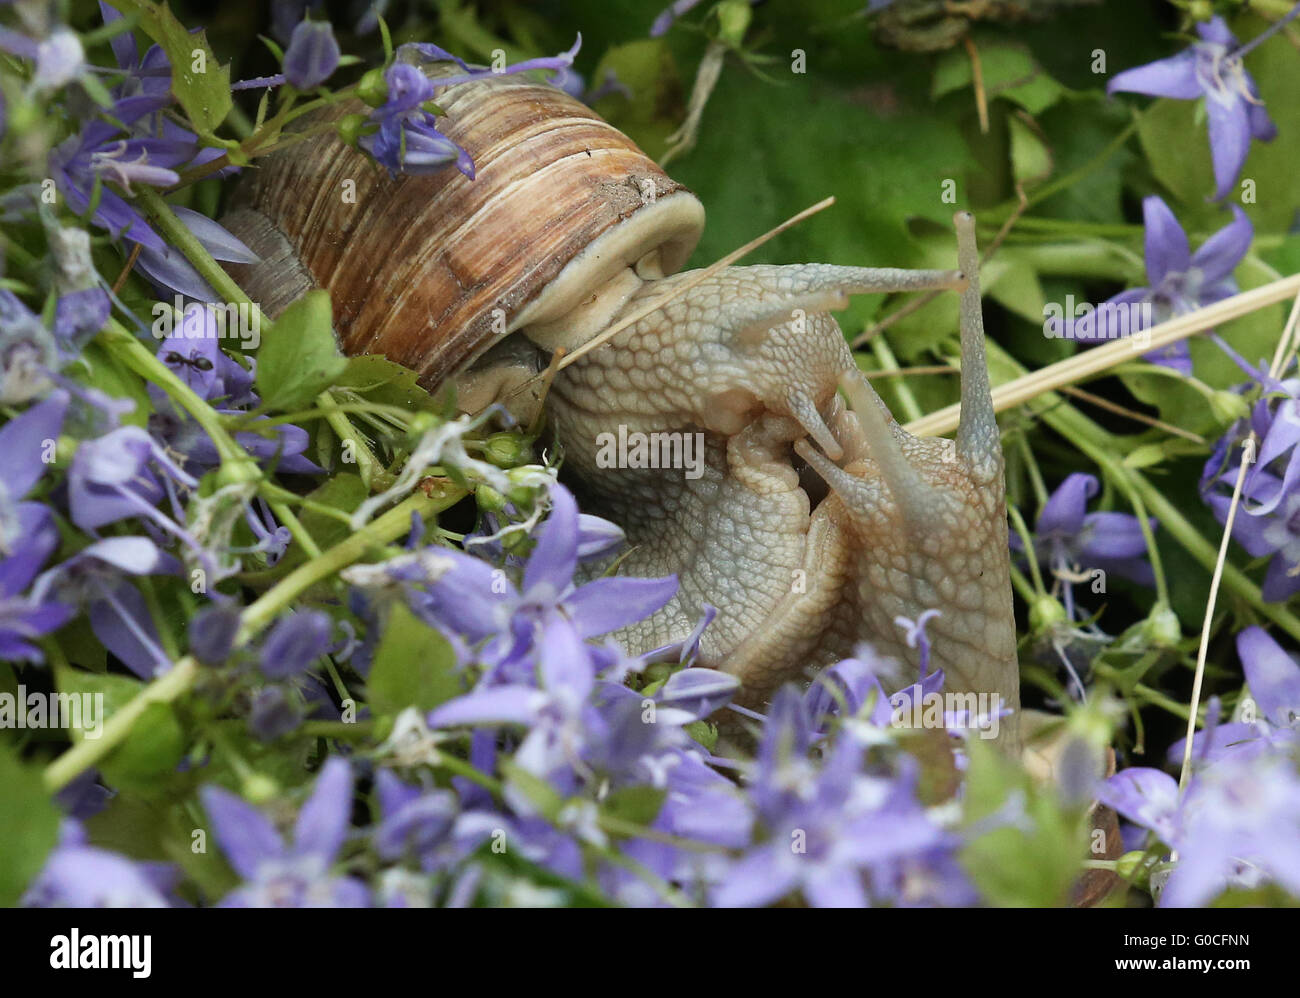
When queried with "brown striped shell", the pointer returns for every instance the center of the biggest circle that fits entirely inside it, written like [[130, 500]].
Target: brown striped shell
[[432, 270]]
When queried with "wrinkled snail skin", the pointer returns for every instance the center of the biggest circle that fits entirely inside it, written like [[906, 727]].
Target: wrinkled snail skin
[[809, 525]]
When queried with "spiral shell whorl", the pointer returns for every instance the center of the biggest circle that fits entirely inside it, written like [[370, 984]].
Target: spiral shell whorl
[[418, 265]]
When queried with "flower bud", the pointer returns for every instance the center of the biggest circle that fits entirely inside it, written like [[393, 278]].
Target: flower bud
[[1228, 407], [212, 632], [258, 788], [733, 20], [506, 450], [312, 56], [1162, 627], [373, 88], [489, 499], [1132, 866], [1046, 613], [236, 472], [351, 127]]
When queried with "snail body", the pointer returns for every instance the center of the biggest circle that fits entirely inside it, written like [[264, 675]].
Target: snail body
[[810, 526]]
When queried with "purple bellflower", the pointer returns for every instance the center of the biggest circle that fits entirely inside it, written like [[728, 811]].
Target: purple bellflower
[[1268, 523], [28, 535], [1238, 824], [296, 875], [1213, 68], [312, 55], [472, 599], [1067, 538], [119, 617], [407, 139], [1273, 725], [1180, 282], [295, 642], [79, 875], [837, 835]]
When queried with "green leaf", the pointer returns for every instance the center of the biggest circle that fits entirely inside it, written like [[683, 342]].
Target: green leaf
[[109, 694], [98, 368], [1030, 160], [299, 357], [149, 753], [646, 68], [156, 741], [635, 805], [414, 666], [1031, 863], [1010, 72], [80, 645], [29, 826], [382, 380], [1012, 282], [199, 82], [539, 793], [344, 492]]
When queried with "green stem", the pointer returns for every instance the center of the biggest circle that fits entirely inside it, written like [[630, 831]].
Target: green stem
[[88, 752], [174, 231], [1022, 585], [338, 729], [1074, 176], [1027, 539], [183, 675], [380, 530], [369, 466], [902, 390], [131, 352], [1031, 469], [1074, 426], [286, 516]]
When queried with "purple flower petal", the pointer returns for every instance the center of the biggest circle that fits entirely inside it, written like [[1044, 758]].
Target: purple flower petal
[[1172, 77], [1167, 250], [497, 705], [1219, 255], [1145, 796], [1064, 510], [245, 835], [1175, 356], [550, 566], [1272, 674], [323, 821], [35, 539], [1229, 124], [26, 440], [1112, 535], [120, 619], [312, 55], [698, 691], [132, 555], [1216, 30], [565, 662], [607, 604]]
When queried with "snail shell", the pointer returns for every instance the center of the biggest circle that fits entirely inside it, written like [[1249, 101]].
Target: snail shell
[[565, 214]]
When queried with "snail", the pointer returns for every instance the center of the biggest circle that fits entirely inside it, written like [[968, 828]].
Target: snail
[[809, 524]]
